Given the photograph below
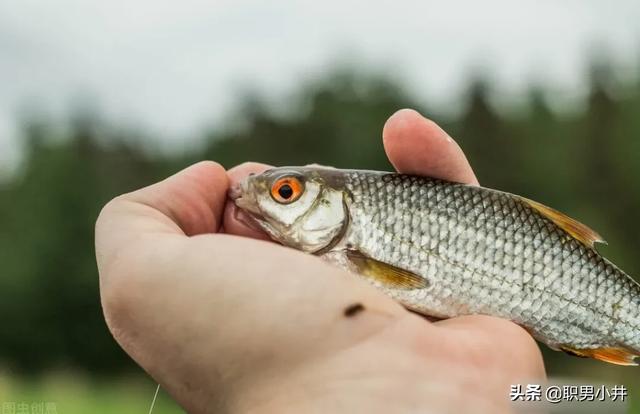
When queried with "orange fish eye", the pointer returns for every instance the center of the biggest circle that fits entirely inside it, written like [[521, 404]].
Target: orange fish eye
[[287, 190]]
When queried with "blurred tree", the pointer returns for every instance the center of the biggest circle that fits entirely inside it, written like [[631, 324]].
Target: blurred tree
[[486, 139], [542, 150], [50, 283], [604, 184], [336, 122], [585, 164]]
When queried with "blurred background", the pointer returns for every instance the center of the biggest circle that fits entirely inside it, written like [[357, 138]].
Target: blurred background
[[100, 98]]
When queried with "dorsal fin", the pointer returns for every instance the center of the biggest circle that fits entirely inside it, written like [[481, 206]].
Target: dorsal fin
[[576, 229]]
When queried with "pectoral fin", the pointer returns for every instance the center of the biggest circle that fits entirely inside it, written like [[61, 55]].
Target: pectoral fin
[[388, 275], [618, 356], [572, 226]]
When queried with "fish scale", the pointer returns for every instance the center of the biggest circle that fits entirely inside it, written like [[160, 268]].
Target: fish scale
[[463, 255], [447, 249]]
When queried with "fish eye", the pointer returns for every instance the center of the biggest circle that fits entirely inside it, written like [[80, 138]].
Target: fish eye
[[286, 190]]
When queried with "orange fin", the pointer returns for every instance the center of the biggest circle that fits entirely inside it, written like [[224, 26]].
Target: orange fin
[[618, 356], [386, 274], [576, 229]]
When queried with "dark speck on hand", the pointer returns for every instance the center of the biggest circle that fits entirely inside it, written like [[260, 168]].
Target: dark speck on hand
[[353, 310]]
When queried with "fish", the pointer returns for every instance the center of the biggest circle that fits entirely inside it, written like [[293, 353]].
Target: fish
[[445, 249]]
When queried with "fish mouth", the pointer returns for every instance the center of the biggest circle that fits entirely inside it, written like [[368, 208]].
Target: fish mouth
[[237, 190], [246, 208], [243, 199], [238, 193]]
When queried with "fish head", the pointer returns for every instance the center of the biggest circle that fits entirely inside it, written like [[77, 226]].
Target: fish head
[[300, 207]]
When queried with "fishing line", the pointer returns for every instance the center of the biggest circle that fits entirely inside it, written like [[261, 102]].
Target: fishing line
[[153, 402]]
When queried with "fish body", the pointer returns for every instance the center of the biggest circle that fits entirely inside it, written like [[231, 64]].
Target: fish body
[[446, 249]]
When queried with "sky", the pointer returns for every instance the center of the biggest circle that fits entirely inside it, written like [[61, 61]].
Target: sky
[[174, 67]]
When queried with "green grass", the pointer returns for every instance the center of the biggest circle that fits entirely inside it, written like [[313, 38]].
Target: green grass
[[74, 393]]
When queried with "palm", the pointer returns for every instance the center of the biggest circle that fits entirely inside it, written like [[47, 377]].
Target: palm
[[231, 323]]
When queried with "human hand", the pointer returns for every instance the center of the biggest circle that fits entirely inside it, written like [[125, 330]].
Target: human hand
[[234, 324]]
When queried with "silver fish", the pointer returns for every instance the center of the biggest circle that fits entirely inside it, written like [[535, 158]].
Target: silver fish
[[446, 249]]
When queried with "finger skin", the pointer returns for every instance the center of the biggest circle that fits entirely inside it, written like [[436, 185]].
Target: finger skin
[[487, 334], [186, 204], [416, 145], [226, 323], [209, 315]]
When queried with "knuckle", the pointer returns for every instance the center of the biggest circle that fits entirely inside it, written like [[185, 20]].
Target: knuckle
[[107, 211]]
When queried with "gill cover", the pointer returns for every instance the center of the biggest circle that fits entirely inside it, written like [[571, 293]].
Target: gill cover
[[297, 208]]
